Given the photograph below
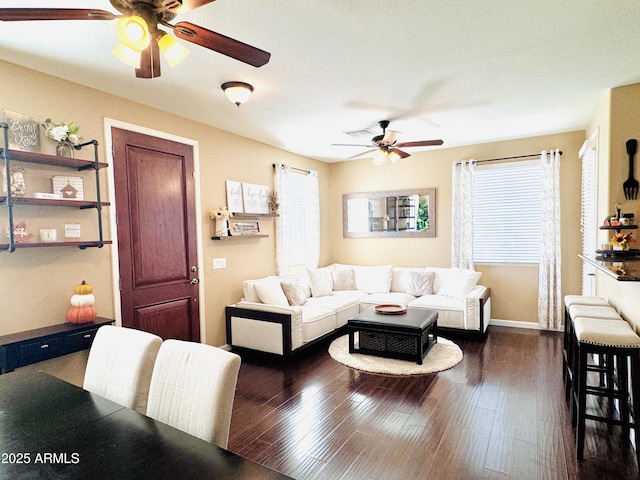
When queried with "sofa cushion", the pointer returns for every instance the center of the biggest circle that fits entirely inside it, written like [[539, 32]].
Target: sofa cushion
[[371, 279], [271, 293], [400, 298], [320, 282], [294, 293], [420, 283], [459, 283], [400, 277], [344, 279], [316, 321], [451, 311], [249, 290]]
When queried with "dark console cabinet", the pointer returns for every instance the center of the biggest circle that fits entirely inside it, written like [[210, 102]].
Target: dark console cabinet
[[25, 348]]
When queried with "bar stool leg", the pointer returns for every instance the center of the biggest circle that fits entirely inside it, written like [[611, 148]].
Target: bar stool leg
[[581, 383], [635, 399]]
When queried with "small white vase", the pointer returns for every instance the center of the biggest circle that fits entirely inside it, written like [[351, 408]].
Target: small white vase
[[222, 226]]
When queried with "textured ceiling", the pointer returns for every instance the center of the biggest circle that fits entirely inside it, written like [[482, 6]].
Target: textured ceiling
[[464, 71]]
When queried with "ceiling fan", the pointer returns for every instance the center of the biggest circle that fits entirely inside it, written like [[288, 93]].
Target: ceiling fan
[[142, 39], [387, 146]]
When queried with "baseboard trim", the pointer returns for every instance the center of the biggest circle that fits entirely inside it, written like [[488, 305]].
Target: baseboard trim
[[515, 324]]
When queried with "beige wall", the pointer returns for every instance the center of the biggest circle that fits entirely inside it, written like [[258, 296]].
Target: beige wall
[[514, 288], [36, 283], [618, 118]]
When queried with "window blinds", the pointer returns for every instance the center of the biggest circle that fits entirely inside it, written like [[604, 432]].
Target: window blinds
[[506, 212]]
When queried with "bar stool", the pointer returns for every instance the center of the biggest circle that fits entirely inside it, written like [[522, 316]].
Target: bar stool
[[602, 312], [617, 339], [570, 300]]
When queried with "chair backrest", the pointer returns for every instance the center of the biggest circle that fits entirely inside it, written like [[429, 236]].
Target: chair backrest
[[120, 365], [192, 389]]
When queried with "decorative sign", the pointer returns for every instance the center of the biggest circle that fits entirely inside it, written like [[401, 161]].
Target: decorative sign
[[244, 227], [71, 188], [72, 230], [18, 184], [23, 131], [256, 198], [20, 233], [234, 197]]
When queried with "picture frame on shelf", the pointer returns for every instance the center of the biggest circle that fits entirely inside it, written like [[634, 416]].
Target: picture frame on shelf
[[235, 202], [255, 198], [23, 131], [18, 182], [243, 227], [70, 188]]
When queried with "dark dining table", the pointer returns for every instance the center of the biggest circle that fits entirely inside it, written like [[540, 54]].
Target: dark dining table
[[51, 429]]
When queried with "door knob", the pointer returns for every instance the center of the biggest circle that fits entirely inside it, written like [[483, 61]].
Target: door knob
[[194, 281]]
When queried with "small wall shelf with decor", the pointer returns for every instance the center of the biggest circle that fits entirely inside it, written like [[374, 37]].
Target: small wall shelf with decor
[[241, 237], [10, 197]]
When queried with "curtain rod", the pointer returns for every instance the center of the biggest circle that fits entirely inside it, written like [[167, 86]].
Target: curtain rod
[[508, 158], [294, 168]]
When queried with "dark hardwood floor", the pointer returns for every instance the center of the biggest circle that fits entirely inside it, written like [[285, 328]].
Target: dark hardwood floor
[[499, 414]]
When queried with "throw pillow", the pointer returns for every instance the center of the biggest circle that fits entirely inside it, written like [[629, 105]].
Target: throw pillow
[[294, 293], [374, 279], [420, 283], [459, 284], [344, 280], [319, 282], [271, 293]]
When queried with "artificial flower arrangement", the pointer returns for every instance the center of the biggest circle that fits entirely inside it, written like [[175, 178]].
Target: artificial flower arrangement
[[222, 213], [62, 132], [274, 204], [622, 239]]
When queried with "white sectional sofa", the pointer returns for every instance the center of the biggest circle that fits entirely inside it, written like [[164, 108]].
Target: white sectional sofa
[[281, 315]]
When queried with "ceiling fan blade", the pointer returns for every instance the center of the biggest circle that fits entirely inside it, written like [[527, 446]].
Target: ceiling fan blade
[[422, 143], [188, 5], [361, 154], [221, 44], [399, 152], [351, 145], [149, 62], [26, 14]]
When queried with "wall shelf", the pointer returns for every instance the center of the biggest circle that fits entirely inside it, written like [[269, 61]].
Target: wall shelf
[[240, 237], [255, 215], [9, 200]]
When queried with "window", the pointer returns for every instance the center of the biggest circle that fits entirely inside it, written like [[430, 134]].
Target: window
[[298, 224], [507, 212]]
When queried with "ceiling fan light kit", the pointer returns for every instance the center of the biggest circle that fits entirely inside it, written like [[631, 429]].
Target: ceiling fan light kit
[[137, 28], [386, 146], [237, 92]]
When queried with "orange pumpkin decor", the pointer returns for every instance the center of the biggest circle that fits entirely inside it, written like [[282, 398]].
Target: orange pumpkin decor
[[82, 309], [81, 314]]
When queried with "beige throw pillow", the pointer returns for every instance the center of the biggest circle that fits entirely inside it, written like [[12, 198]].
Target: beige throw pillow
[[294, 293], [420, 283], [319, 282], [271, 293], [344, 280], [459, 284]]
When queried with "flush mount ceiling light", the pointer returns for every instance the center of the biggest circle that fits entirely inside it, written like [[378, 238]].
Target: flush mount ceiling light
[[237, 92]]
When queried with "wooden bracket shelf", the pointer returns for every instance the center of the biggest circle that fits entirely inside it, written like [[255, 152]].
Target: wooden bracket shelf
[[80, 245], [240, 237]]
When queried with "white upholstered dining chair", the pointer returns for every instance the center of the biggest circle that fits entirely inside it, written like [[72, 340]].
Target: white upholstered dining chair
[[192, 389], [120, 365]]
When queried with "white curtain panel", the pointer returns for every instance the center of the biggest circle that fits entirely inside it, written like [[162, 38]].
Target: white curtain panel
[[462, 214], [287, 227], [549, 277]]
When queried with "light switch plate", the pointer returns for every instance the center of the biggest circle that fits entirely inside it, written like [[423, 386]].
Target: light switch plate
[[219, 263]]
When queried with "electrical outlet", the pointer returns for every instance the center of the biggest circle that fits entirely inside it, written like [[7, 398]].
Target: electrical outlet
[[219, 263]]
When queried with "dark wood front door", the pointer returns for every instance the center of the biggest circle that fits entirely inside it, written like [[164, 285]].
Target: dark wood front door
[[157, 251]]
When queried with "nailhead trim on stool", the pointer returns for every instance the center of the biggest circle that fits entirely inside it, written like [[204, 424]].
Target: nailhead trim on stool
[[617, 339]]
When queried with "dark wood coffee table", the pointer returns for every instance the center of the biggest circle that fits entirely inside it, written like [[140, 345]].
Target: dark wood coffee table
[[407, 336]]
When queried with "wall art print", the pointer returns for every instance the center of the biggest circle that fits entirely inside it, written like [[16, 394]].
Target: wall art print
[[235, 203], [256, 198], [23, 131]]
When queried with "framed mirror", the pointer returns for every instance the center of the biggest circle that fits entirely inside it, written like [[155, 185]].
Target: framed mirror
[[392, 213]]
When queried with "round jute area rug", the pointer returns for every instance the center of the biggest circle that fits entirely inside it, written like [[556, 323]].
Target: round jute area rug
[[442, 356]]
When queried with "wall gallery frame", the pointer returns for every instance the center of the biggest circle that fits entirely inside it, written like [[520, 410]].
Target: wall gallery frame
[[235, 203], [255, 198]]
